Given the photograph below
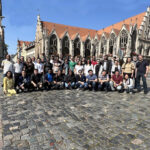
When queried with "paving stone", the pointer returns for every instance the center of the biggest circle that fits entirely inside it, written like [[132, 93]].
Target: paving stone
[[78, 120]]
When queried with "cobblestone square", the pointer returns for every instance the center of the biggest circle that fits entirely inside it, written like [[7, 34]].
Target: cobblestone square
[[65, 120]]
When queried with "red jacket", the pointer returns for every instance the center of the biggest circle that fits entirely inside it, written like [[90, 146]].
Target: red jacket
[[117, 79]]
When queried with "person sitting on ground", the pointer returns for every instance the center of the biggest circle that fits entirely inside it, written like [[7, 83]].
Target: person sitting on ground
[[103, 82], [91, 81], [48, 80], [128, 84], [58, 81], [70, 80], [24, 82], [116, 82], [8, 84], [80, 80], [36, 80]]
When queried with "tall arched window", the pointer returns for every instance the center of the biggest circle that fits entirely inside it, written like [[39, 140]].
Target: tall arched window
[[103, 44], [53, 45], [123, 39], [65, 46], [87, 48], [77, 47], [111, 43]]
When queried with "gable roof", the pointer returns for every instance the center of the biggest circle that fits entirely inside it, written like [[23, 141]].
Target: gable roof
[[72, 31], [27, 43], [118, 26]]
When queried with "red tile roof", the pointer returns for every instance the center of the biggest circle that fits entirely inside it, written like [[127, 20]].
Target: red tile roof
[[20, 43], [117, 27], [73, 31]]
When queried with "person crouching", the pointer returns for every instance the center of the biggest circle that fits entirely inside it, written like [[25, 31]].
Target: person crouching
[[36, 81], [48, 80], [128, 84], [70, 80], [116, 82], [23, 82]]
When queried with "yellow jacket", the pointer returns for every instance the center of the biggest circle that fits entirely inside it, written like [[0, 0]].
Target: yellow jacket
[[8, 84]]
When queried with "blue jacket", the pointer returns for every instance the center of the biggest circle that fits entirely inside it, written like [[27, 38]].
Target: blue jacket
[[23, 80]]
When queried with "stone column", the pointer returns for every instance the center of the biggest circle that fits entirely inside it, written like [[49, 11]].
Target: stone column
[[82, 50], [46, 48], [114, 49], [107, 46], [72, 48], [59, 47]]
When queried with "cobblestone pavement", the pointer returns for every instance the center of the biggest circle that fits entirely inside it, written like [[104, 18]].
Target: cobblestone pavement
[[75, 120]]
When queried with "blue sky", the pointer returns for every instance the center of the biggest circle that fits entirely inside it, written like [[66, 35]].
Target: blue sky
[[21, 15]]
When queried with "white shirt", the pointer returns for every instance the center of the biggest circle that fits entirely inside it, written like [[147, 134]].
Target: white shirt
[[56, 67], [77, 68], [128, 83], [86, 69], [18, 67], [7, 66], [39, 67]]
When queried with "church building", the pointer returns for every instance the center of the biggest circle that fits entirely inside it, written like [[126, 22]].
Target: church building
[[123, 39]]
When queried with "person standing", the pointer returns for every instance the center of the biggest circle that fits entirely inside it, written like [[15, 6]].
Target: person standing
[[87, 67], [128, 68], [78, 67], [30, 67], [47, 66], [18, 67], [40, 67], [72, 64], [7, 65], [142, 68], [135, 60]]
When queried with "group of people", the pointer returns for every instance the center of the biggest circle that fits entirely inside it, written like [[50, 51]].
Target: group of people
[[74, 73]]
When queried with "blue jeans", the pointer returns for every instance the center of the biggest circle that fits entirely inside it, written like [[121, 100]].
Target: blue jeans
[[103, 86], [91, 85], [138, 77], [72, 85], [79, 85]]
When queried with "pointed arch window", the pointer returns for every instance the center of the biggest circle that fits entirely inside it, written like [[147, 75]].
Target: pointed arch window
[[123, 39], [111, 43], [103, 44]]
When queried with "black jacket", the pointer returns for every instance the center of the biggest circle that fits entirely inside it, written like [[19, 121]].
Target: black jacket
[[108, 65], [69, 78]]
